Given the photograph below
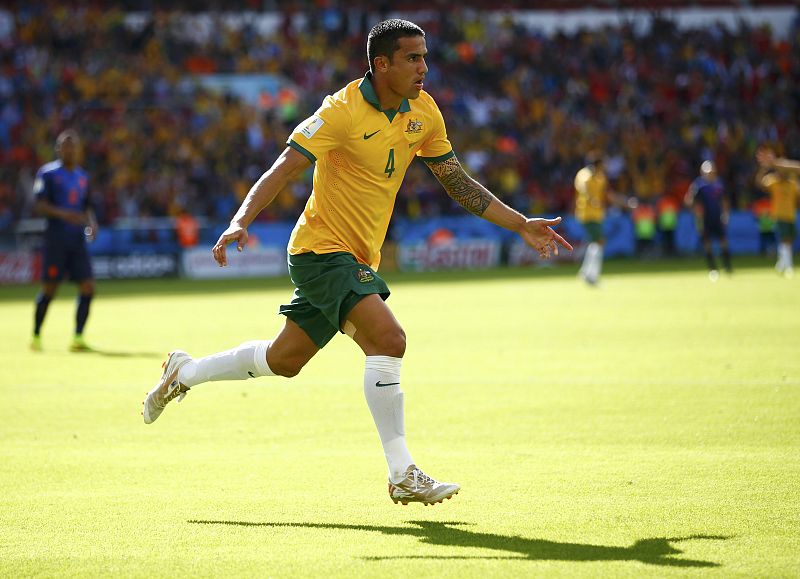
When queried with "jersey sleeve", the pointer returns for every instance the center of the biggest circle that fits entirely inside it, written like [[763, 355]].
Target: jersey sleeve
[[768, 180], [42, 190], [437, 146], [321, 132]]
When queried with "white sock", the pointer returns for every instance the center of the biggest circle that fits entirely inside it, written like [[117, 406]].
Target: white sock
[[586, 264], [780, 263], [593, 261], [784, 256], [597, 266], [385, 400], [248, 360]]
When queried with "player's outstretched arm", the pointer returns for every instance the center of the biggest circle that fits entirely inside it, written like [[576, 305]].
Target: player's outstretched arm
[[475, 198], [767, 159], [284, 170]]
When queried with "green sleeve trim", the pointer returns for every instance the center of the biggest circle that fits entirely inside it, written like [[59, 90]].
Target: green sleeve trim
[[438, 159], [302, 150]]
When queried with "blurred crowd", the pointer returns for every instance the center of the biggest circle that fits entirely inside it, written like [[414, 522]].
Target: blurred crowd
[[522, 108]]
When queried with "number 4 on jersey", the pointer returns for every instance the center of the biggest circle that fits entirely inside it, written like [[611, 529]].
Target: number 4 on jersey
[[389, 164]]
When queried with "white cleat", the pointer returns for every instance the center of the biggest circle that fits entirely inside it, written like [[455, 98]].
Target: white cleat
[[417, 487], [167, 389]]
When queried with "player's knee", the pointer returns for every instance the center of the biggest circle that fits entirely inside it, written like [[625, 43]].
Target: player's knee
[[393, 343], [286, 366]]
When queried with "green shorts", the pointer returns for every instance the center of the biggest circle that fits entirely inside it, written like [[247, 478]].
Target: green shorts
[[786, 230], [594, 229], [327, 287]]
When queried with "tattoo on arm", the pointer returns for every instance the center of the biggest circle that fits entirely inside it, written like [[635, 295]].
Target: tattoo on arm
[[462, 188]]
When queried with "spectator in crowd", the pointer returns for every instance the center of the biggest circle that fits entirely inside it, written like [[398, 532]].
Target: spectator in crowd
[[187, 230], [654, 98], [762, 211], [667, 215]]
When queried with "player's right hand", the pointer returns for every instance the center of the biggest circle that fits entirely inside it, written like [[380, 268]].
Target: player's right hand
[[235, 233]]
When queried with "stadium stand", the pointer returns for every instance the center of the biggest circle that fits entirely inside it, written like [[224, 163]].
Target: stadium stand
[[184, 114]]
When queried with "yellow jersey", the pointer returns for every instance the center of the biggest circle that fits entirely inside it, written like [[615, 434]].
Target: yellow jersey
[[361, 153], [785, 194], [590, 201]]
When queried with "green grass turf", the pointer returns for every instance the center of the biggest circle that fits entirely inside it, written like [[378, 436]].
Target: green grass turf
[[649, 427]]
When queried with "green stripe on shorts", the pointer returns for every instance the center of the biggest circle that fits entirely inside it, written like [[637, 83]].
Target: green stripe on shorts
[[327, 287]]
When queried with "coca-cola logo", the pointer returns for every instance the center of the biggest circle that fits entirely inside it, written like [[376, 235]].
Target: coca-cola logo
[[18, 267]]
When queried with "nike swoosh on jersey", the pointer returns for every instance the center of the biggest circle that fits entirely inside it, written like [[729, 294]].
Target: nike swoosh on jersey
[[379, 384], [366, 136]]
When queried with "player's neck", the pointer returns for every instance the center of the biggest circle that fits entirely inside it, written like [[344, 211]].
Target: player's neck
[[388, 99]]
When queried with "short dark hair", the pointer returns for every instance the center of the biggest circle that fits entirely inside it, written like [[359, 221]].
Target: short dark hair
[[382, 39], [70, 134]]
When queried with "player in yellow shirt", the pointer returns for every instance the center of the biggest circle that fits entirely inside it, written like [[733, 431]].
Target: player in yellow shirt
[[361, 140], [591, 198], [779, 178]]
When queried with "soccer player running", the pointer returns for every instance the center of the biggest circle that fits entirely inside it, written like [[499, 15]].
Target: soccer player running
[[708, 198], [781, 182], [362, 140], [61, 193], [591, 198]]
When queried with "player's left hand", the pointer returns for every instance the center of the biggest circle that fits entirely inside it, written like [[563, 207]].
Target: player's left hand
[[538, 233], [235, 232]]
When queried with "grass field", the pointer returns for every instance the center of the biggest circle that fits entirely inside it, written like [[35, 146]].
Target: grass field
[[649, 427]]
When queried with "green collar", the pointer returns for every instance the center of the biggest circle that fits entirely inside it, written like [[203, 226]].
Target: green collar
[[368, 91]]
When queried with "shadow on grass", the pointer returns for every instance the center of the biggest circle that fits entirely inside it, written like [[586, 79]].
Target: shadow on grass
[[656, 551], [119, 354]]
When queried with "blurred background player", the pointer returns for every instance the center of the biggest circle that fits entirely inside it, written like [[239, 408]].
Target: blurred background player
[[61, 194], [778, 177], [708, 198], [591, 198]]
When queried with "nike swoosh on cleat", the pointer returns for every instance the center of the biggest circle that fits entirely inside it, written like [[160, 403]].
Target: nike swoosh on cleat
[[252, 375], [366, 136], [381, 385]]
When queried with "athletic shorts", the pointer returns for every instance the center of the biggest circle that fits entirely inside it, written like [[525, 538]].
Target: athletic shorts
[[712, 228], [60, 261], [594, 229], [327, 287], [785, 230]]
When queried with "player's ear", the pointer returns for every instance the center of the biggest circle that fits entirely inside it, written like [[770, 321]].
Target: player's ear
[[382, 63]]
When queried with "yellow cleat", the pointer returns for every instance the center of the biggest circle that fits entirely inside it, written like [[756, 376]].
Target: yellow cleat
[[36, 344], [79, 345]]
